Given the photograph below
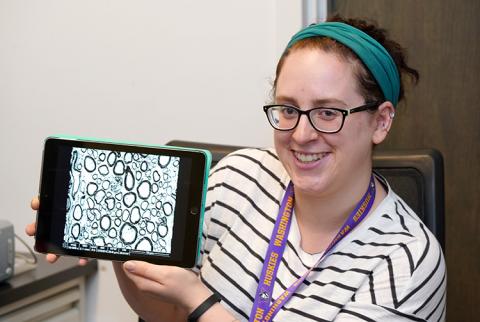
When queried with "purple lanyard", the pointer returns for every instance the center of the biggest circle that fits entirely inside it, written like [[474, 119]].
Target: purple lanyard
[[262, 311]]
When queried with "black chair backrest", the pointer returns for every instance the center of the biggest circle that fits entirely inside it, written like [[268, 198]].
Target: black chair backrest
[[415, 175]]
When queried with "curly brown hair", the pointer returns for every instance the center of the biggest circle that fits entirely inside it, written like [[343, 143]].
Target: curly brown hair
[[367, 85]]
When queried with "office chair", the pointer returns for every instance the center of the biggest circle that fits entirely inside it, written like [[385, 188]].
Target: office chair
[[415, 175]]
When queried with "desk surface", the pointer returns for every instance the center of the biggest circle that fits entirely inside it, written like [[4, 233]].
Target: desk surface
[[43, 277]]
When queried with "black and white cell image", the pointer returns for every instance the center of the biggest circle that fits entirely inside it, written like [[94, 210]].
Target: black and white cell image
[[121, 200]]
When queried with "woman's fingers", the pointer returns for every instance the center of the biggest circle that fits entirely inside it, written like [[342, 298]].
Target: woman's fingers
[[145, 270], [51, 258], [82, 261], [35, 203], [31, 229], [168, 283], [145, 277]]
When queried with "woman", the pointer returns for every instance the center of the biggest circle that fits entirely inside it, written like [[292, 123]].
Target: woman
[[306, 232]]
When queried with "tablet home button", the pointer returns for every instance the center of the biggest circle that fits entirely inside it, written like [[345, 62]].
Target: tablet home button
[[194, 211]]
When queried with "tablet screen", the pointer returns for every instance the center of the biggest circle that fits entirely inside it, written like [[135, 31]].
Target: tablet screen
[[121, 202]]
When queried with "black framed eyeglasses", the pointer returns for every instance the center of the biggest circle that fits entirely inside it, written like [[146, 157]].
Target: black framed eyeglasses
[[323, 119]]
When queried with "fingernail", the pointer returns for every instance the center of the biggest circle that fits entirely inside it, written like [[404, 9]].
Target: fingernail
[[129, 266]]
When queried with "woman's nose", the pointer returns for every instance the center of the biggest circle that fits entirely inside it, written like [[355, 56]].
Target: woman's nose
[[304, 132]]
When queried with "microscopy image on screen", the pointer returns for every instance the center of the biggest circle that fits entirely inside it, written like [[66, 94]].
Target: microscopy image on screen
[[120, 202]]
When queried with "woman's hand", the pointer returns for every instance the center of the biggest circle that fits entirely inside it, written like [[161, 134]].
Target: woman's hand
[[168, 283], [32, 228]]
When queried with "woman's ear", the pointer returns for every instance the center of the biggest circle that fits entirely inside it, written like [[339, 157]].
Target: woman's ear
[[383, 119]]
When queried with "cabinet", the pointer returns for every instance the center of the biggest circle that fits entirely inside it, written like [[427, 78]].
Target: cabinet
[[53, 293]]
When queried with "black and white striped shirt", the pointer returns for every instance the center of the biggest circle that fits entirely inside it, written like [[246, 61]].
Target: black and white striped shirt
[[389, 268]]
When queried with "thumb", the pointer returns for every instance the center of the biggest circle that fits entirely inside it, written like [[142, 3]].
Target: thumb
[[144, 269]]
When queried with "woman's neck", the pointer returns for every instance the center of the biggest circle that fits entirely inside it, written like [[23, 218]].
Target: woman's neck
[[320, 217]]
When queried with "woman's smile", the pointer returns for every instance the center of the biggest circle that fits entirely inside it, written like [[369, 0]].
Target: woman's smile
[[308, 157], [305, 161]]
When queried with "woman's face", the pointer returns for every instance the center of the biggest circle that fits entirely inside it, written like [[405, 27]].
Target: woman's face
[[321, 164]]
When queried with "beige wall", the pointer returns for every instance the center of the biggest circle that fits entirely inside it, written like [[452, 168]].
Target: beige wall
[[145, 71]]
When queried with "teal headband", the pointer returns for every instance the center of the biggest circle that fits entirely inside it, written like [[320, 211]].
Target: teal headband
[[370, 52]]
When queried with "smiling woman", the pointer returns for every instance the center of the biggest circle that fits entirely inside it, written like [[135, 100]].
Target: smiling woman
[[321, 164], [350, 248]]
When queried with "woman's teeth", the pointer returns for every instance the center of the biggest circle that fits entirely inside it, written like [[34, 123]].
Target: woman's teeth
[[309, 157]]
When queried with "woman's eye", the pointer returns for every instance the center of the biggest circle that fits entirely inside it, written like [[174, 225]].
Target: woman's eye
[[327, 114], [289, 112]]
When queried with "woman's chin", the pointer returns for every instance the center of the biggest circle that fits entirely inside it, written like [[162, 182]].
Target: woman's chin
[[310, 186]]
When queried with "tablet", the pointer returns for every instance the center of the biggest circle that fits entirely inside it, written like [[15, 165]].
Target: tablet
[[121, 201]]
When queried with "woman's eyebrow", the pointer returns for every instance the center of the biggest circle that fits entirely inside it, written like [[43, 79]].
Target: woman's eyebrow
[[285, 100], [329, 101], [316, 103]]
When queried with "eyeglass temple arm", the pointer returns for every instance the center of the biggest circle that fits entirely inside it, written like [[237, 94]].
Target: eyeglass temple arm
[[368, 106]]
